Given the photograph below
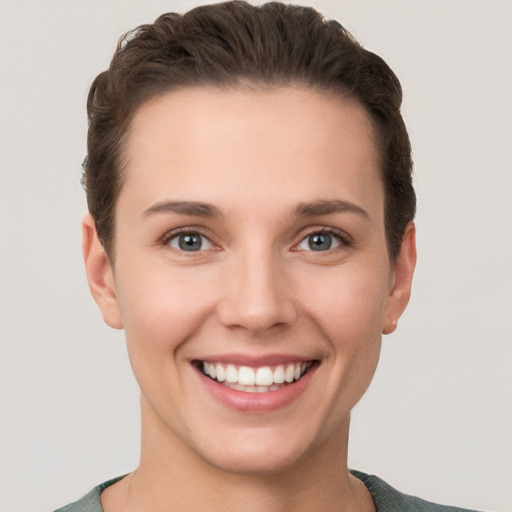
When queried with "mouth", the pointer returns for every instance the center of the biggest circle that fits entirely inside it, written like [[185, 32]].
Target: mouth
[[261, 379]]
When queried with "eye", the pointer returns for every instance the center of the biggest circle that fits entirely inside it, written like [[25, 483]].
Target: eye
[[320, 242], [189, 242]]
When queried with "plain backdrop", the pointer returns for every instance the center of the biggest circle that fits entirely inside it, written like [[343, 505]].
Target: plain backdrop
[[437, 421]]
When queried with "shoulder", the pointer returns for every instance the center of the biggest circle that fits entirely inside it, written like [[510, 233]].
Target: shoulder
[[388, 499], [90, 502]]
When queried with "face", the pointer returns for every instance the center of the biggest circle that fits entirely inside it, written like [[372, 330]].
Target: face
[[251, 272]]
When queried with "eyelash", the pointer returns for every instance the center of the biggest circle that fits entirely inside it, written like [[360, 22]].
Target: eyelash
[[342, 237], [168, 237]]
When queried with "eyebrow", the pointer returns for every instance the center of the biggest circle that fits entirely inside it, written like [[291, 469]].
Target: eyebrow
[[192, 208], [326, 207], [309, 209]]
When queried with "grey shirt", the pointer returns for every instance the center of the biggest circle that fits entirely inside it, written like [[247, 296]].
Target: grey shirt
[[386, 498]]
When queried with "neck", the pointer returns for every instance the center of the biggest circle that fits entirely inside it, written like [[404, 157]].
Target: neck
[[173, 477]]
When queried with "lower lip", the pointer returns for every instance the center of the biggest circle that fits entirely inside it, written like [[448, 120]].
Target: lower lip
[[257, 402]]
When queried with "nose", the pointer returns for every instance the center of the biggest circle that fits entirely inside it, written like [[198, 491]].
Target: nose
[[257, 295]]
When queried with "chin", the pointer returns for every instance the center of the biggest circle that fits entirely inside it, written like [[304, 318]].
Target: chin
[[259, 453], [256, 463]]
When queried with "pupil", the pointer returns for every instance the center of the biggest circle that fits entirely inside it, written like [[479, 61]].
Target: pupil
[[190, 242], [320, 242]]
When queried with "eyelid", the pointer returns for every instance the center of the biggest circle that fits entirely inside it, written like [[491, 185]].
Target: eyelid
[[344, 238], [187, 230]]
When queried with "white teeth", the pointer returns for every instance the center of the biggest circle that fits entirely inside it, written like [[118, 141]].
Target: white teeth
[[231, 373], [247, 389], [288, 374], [255, 380], [279, 374], [246, 376], [264, 376], [221, 374]]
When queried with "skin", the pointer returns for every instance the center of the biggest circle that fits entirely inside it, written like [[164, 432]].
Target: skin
[[255, 288]]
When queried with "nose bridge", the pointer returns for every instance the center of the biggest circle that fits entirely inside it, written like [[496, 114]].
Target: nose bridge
[[256, 297]]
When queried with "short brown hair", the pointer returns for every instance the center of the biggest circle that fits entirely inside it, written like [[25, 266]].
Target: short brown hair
[[233, 44]]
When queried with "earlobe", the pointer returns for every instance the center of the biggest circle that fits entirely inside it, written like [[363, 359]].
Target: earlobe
[[99, 274], [403, 272]]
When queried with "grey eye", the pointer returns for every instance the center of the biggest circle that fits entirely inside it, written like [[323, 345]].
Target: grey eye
[[190, 242], [319, 242]]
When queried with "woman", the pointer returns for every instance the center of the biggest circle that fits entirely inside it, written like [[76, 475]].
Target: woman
[[251, 229]]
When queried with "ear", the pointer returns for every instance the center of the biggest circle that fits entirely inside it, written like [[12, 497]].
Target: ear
[[99, 274], [402, 280]]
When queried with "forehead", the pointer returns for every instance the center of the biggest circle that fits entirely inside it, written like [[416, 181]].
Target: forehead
[[287, 142]]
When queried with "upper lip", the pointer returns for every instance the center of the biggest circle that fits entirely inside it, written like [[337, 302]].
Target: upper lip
[[254, 361]]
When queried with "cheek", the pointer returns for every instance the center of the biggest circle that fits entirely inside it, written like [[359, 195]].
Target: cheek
[[349, 312], [162, 307], [161, 314], [349, 304]]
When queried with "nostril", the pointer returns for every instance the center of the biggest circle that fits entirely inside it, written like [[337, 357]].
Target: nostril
[[256, 316]]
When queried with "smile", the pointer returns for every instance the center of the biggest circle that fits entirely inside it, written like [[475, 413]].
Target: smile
[[255, 380]]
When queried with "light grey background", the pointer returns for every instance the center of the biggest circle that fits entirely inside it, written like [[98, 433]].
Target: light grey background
[[437, 421]]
